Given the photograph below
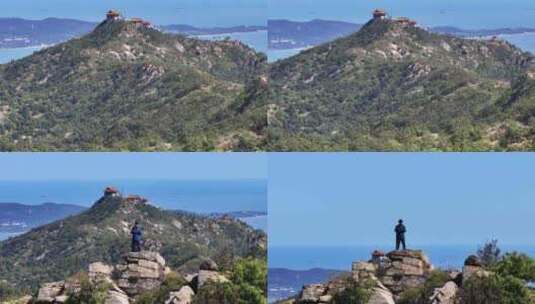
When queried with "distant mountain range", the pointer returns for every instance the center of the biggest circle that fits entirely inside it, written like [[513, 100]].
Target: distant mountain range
[[284, 283], [286, 34], [18, 32], [15, 217]]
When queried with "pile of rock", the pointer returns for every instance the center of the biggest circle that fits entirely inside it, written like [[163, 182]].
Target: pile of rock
[[141, 271], [404, 269]]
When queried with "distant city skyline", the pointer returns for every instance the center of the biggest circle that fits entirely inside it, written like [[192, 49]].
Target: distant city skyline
[[356, 199]]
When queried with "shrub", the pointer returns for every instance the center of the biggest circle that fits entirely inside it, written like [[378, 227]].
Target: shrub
[[89, 293], [357, 293], [173, 282], [489, 254], [494, 289], [517, 265]]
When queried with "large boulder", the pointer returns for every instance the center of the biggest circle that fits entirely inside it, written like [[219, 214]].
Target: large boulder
[[405, 269], [183, 296], [50, 291], [209, 264], [363, 270], [445, 294], [381, 295], [207, 275], [115, 296], [311, 294], [141, 271], [100, 272]]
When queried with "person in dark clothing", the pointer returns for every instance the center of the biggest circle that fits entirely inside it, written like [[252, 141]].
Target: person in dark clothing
[[400, 234], [136, 237]]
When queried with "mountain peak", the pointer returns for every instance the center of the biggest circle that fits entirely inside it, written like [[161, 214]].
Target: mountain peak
[[102, 233]]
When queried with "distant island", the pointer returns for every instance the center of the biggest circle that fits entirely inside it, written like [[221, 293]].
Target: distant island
[[286, 34], [15, 217], [18, 32], [284, 283]]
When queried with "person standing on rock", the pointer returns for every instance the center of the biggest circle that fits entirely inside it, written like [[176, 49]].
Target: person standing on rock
[[136, 237], [400, 234]]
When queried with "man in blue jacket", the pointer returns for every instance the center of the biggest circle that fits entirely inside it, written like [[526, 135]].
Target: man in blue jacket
[[400, 234], [136, 238]]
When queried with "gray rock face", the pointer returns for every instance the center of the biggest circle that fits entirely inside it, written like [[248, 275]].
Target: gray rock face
[[207, 275], [311, 294], [208, 264], [363, 270], [381, 295], [445, 295], [405, 269], [183, 296], [116, 297], [100, 272], [50, 291], [142, 271]]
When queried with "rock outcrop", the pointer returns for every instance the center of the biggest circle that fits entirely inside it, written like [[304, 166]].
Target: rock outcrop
[[445, 295], [472, 266], [49, 292], [404, 269], [141, 271], [99, 271], [183, 296], [381, 295]]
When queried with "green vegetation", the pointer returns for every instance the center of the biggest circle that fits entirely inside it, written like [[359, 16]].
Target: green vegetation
[[422, 293], [393, 87], [354, 293], [88, 293], [173, 282], [505, 283], [248, 285], [494, 289], [101, 234], [489, 254], [517, 265], [124, 87]]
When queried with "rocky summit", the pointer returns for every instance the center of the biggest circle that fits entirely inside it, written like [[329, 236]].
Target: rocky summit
[[392, 278], [140, 272], [101, 234], [128, 86], [394, 85]]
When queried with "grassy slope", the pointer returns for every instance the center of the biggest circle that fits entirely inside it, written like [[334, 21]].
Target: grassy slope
[[125, 87], [60, 249], [399, 87]]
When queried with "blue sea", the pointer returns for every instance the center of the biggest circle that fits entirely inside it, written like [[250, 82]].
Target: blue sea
[[340, 258], [256, 40]]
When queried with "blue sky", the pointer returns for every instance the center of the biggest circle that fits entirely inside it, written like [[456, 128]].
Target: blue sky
[[469, 14], [109, 166], [356, 199], [194, 12], [206, 13]]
